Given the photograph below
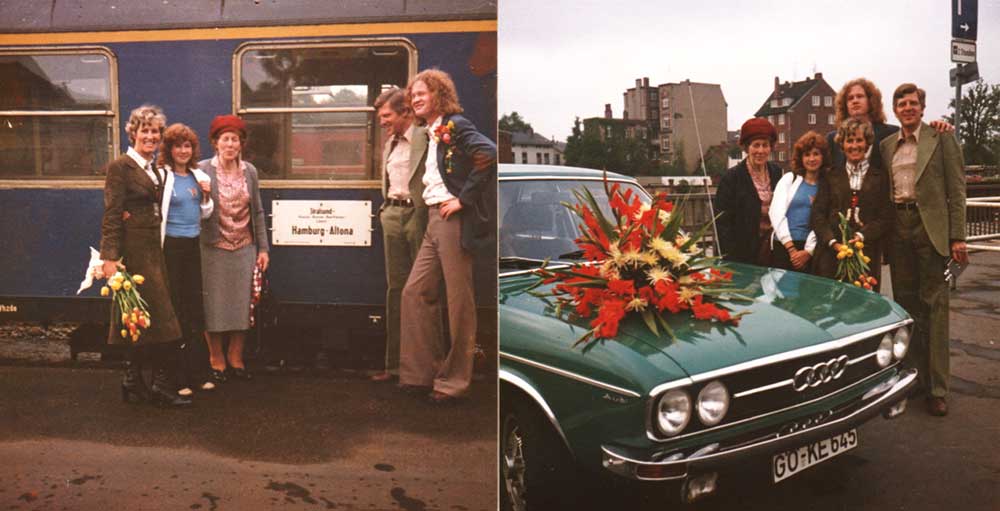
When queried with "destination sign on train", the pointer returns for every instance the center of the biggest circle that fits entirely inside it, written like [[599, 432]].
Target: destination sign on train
[[322, 223]]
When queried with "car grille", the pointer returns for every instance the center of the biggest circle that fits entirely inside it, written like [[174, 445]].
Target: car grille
[[771, 388], [761, 391]]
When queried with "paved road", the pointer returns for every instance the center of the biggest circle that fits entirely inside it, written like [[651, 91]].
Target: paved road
[[288, 442], [339, 442]]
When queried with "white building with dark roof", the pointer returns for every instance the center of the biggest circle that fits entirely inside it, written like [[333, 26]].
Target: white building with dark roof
[[530, 147]]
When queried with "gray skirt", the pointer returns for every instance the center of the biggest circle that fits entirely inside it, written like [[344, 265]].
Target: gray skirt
[[226, 277]]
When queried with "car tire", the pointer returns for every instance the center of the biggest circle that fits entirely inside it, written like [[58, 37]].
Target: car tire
[[534, 463]]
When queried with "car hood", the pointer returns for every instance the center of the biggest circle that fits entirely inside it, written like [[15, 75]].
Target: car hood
[[789, 310]]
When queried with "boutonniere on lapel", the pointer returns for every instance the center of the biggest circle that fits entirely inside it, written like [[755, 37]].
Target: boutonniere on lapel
[[442, 135]]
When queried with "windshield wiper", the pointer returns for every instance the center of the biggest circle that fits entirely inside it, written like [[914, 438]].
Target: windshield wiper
[[519, 262], [576, 254]]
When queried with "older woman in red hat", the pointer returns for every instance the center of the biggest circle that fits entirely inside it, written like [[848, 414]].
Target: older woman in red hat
[[233, 241], [744, 197]]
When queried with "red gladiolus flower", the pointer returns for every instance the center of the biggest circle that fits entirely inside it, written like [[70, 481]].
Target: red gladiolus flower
[[702, 310], [611, 313], [623, 288]]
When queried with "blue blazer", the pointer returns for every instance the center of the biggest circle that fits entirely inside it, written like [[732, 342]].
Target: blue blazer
[[472, 179]]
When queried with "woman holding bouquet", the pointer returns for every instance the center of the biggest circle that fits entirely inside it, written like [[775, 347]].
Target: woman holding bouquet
[[859, 191], [130, 232], [186, 202], [233, 242], [794, 242]]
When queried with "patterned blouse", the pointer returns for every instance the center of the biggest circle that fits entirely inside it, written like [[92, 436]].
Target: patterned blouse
[[762, 183], [234, 209]]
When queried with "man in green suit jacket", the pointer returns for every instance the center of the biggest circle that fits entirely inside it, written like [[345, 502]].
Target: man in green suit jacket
[[927, 179], [403, 214]]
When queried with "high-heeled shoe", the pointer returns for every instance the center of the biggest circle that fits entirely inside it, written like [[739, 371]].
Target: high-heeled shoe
[[240, 373], [133, 385], [161, 393], [218, 377]]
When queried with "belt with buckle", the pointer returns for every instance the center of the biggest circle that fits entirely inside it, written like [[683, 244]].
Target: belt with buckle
[[905, 205], [403, 203]]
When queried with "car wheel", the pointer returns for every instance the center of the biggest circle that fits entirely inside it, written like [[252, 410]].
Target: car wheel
[[534, 463]]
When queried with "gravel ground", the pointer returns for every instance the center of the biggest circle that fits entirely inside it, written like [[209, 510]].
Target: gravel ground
[[34, 343]]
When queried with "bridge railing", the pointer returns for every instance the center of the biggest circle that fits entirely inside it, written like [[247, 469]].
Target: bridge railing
[[982, 222]]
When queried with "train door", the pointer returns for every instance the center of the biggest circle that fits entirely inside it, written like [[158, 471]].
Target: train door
[[314, 136]]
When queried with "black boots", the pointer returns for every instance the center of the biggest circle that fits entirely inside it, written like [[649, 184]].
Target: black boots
[[134, 389], [163, 393]]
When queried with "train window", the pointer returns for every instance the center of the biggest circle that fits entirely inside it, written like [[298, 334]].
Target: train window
[[309, 107], [57, 113]]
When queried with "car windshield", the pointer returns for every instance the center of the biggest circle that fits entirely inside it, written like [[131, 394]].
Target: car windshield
[[535, 225]]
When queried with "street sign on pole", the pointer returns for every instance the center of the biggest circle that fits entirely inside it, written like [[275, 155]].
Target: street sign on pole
[[963, 19], [963, 74], [963, 51]]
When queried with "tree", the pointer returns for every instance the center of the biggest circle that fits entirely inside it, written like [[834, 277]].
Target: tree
[[584, 148], [716, 160], [514, 122], [980, 127]]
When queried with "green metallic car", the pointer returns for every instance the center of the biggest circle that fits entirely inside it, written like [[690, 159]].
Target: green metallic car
[[784, 390]]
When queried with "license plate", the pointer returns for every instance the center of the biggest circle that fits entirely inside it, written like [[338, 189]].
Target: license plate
[[788, 463]]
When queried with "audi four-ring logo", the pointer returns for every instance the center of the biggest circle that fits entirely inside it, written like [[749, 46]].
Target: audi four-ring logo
[[823, 372]]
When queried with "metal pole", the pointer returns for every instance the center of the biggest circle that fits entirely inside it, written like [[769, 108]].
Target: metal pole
[[958, 101]]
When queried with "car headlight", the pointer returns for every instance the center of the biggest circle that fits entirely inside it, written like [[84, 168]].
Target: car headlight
[[673, 412], [713, 403], [900, 343], [884, 352]]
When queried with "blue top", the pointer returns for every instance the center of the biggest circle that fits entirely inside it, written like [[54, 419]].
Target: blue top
[[798, 211], [184, 216]]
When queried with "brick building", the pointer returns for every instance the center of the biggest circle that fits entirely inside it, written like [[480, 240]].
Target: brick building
[[609, 128], [795, 108]]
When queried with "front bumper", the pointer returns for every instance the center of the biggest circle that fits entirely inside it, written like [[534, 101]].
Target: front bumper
[[629, 464]]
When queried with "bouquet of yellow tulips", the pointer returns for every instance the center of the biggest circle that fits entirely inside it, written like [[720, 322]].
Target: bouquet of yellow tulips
[[128, 304], [852, 263]]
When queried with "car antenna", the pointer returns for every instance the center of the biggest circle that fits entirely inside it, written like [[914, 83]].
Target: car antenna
[[704, 172]]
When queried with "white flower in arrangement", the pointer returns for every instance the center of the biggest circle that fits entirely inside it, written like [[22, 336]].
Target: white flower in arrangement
[[664, 216], [656, 274], [687, 294], [615, 254], [668, 251], [609, 270], [631, 257], [683, 239], [649, 258], [636, 304], [658, 244]]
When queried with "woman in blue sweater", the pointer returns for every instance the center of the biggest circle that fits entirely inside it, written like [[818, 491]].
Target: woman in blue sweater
[[186, 201]]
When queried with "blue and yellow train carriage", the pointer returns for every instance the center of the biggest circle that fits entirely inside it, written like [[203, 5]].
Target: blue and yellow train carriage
[[304, 76]]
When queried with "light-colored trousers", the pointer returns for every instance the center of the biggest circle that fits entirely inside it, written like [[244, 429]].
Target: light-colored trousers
[[426, 358]]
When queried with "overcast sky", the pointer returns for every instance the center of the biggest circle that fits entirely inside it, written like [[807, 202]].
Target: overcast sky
[[559, 59]]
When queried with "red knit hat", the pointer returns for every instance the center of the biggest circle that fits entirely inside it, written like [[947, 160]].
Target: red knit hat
[[758, 127], [224, 123]]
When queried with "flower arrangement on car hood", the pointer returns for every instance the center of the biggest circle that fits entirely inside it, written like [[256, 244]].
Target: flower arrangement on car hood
[[638, 261]]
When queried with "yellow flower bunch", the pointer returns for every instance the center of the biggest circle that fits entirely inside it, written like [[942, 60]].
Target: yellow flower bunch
[[852, 263], [132, 310]]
